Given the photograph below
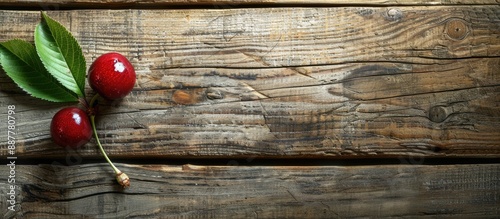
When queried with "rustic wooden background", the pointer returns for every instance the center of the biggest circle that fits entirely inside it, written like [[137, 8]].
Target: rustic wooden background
[[265, 109]]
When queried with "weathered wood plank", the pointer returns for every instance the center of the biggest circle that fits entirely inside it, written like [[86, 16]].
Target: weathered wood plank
[[296, 82], [278, 36], [225, 4], [188, 191]]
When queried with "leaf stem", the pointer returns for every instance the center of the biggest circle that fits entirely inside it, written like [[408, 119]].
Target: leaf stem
[[84, 102]]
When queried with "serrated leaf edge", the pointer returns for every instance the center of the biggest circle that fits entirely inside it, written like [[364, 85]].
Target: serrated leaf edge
[[28, 64], [80, 85]]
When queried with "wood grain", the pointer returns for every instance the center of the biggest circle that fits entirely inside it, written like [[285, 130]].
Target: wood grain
[[220, 79], [190, 191], [225, 4], [291, 82]]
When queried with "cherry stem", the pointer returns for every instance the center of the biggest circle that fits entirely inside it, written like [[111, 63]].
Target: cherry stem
[[94, 98], [121, 177], [92, 121]]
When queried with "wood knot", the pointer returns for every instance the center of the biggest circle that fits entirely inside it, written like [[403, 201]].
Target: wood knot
[[394, 14], [438, 113], [456, 29], [183, 97]]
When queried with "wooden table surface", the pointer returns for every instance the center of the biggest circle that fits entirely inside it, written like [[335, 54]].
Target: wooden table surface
[[270, 109]]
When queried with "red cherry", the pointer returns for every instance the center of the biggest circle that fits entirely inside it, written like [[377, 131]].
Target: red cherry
[[70, 127], [112, 76]]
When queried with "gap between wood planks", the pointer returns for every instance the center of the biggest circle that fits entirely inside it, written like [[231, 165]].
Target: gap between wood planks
[[409, 160]]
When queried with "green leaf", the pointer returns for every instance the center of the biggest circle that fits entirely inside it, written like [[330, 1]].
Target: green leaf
[[61, 54], [21, 63]]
